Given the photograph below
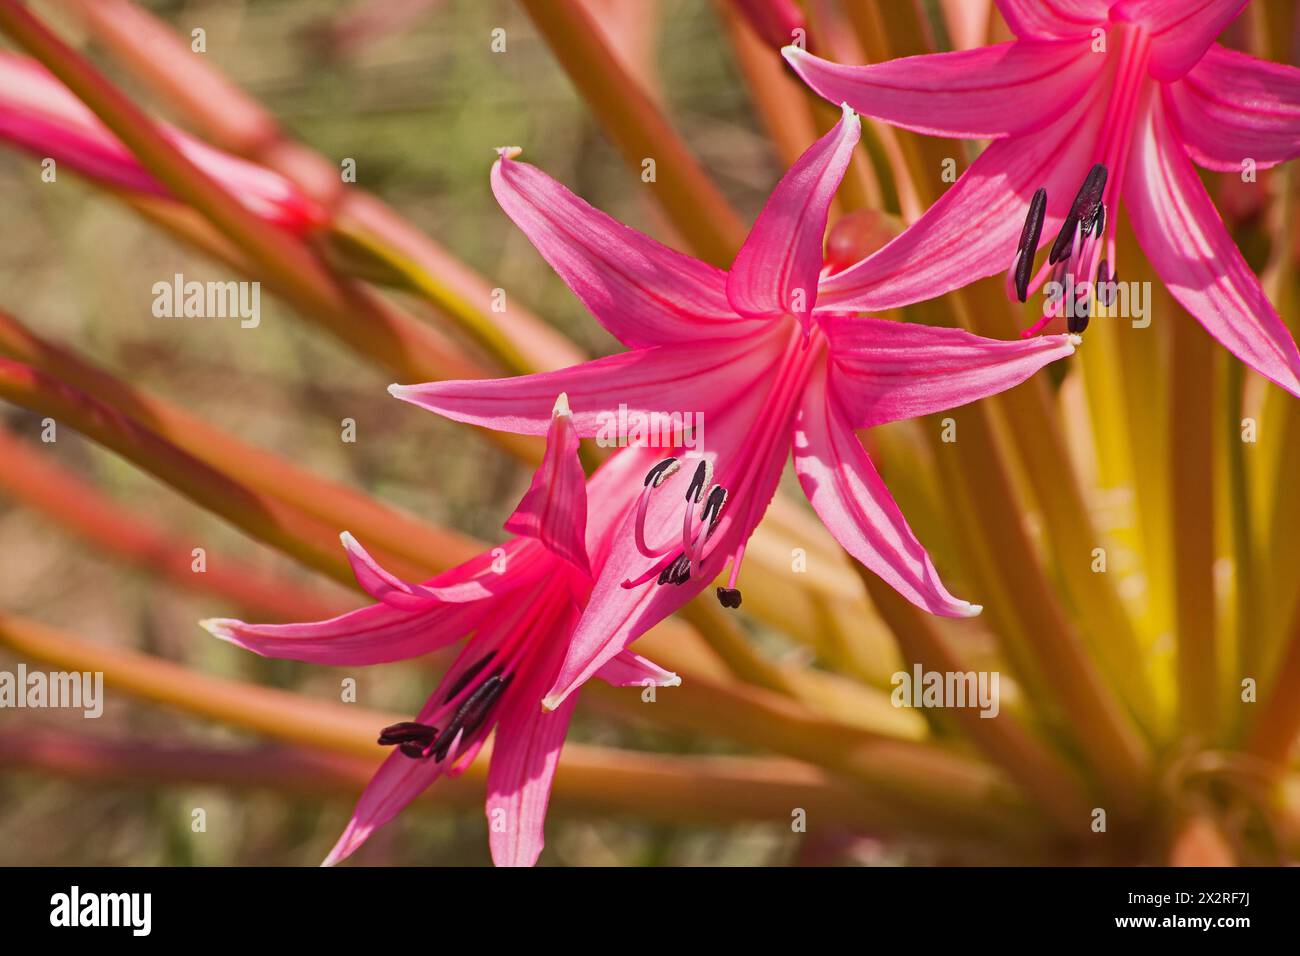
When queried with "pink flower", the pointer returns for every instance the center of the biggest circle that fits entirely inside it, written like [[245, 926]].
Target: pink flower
[[767, 368], [39, 114], [517, 607], [1095, 105]]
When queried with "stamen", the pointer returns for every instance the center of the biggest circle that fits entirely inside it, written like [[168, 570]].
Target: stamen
[[410, 737], [471, 713], [1029, 236], [679, 572], [1078, 320], [469, 674], [661, 472], [1082, 211], [1099, 223], [656, 477], [713, 507], [729, 597], [699, 481], [1105, 285]]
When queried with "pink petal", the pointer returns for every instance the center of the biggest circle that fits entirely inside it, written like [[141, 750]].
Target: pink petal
[[775, 272], [683, 379], [626, 669], [377, 634], [856, 507], [644, 293], [1181, 30], [986, 92], [882, 371], [1053, 18], [972, 230], [469, 582], [554, 509], [399, 780], [1232, 107], [1181, 232], [524, 758]]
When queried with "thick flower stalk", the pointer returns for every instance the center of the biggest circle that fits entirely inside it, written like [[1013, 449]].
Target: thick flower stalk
[[766, 368], [1094, 107], [516, 607]]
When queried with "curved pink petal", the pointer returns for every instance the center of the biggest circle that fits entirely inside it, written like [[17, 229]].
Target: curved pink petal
[[851, 499], [1232, 107], [972, 230], [397, 782], [627, 669], [468, 582], [1181, 30], [883, 371], [554, 509], [775, 272], [682, 379], [524, 758], [989, 91], [378, 634], [644, 293], [1181, 233], [1053, 18]]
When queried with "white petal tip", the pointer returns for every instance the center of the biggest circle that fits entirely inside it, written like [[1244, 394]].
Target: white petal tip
[[218, 627], [509, 152], [673, 681], [552, 702], [973, 610], [792, 51], [561, 406], [1075, 340]]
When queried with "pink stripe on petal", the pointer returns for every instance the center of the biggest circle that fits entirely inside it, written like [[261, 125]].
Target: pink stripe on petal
[[851, 499], [989, 91], [776, 270], [883, 371], [1181, 232], [1181, 30], [1232, 107], [554, 509], [643, 292]]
